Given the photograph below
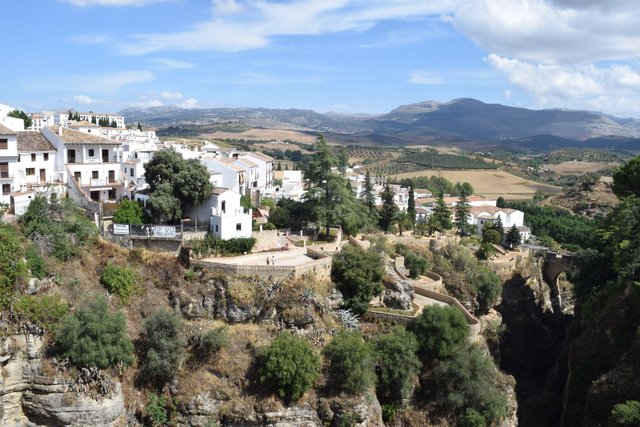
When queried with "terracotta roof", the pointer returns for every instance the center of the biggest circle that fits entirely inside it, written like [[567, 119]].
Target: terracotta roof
[[219, 190], [6, 131], [70, 136], [33, 141], [83, 124], [491, 210]]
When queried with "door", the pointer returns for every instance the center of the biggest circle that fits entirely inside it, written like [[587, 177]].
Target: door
[[105, 156], [78, 176], [112, 176], [71, 156], [43, 175]]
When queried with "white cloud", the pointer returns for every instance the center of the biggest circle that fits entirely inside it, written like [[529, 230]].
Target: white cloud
[[552, 32], [189, 103], [614, 89], [109, 83], [172, 63], [91, 39], [263, 20], [507, 94], [227, 7], [109, 3], [83, 99], [424, 77], [171, 95]]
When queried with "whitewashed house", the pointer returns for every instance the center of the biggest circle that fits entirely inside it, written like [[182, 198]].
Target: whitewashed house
[[226, 216], [36, 160], [91, 161], [292, 186], [8, 163], [263, 179], [483, 215]]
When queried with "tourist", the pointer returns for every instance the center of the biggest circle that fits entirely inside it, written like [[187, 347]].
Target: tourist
[[273, 260], [267, 260]]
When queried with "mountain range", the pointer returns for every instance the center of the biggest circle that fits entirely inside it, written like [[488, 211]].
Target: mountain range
[[463, 122]]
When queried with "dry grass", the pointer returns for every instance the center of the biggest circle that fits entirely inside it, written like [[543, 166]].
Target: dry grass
[[490, 183], [265, 135], [579, 167]]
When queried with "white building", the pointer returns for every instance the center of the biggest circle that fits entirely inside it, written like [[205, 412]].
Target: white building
[[292, 186], [36, 160], [92, 161], [227, 218], [8, 163], [88, 117], [483, 215], [263, 179]]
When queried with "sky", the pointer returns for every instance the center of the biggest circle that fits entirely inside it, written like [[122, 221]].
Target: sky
[[345, 56]]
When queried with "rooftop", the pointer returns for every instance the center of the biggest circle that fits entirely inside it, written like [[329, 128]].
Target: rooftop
[[491, 210], [6, 131], [33, 141], [73, 137]]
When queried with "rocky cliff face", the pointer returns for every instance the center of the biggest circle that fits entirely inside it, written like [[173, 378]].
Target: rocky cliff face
[[29, 397]]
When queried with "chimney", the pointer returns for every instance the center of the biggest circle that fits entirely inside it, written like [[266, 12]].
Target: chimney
[[60, 130]]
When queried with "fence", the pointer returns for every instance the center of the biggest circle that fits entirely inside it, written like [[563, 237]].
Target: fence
[[151, 231]]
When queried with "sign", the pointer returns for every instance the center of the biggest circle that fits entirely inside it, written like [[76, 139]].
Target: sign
[[120, 228], [164, 231]]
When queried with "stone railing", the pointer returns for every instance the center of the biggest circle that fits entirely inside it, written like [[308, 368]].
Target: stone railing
[[435, 278], [448, 300]]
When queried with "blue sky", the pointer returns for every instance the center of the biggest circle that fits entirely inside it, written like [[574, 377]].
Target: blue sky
[[354, 56]]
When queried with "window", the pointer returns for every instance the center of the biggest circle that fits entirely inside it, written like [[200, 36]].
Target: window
[[4, 144], [131, 172], [18, 158], [4, 170], [238, 227], [216, 228], [46, 156], [31, 171], [6, 189], [33, 157], [224, 206], [94, 175], [91, 152]]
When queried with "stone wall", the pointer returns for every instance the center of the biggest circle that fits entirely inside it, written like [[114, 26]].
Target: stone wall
[[449, 300], [266, 240], [157, 245]]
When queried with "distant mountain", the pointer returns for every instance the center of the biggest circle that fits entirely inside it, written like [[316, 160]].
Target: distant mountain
[[461, 119]]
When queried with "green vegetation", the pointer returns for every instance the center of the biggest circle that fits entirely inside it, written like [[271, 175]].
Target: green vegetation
[[212, 342], [58, 228], [417, 160], [35, 262], [389, 208], [93, 336], [19, 114], [625, 414], [43, 310], [440, 218], [156, 409], [358, 275], [175, 184], [396, 363], [626, 179], [290, 365], [211, 246], [440, 330], [13, 269], [162, 347], [121, 281], [437, 185], [414, 262], [128, 212], [350, 362], [513, 238]]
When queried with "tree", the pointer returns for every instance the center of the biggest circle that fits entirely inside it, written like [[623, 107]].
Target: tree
[[93, 120], [128, 212], [164, 206], [462, 210], [19, 114], [626, 179], [501, 203], [162, 347], [440, 330], [113, 124], [625, 414], [94, 337], [290, 365], [491, 235], [513, 237], [440, 216], [396, 363], [350, 362], [358, 275], [13, 269], [368, 196], [279, 167], [389, 208], [411, 205], [139, 127], [499, 227], [402, 219]]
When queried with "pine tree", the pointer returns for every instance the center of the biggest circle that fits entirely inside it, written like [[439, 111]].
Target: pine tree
[[462, 210], [139, 127], [441, 216], [368, 195], [498, 226], [93, 120], [279, 167], [411, 206], [389, 208], [500, 202], [113, 123], [513, 237]]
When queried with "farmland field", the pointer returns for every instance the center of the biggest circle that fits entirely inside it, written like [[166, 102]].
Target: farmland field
[[489, 183], [264, 135], [579, 167]]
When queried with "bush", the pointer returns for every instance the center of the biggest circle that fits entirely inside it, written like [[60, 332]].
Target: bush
[[162, 347], [12, 267], [35, 262], [358, 275], [213, 246], [46, 310], [212, 342], [488, 286], [396, 363], [440, 330], [121, 281], [156, 410], [128, 212], [350, 362], [625, 414], [471, 418], [94, 337], [416, 264], [468, 380], [290, 365]]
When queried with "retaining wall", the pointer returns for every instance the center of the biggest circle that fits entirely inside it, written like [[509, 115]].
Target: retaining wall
[[448, 300]]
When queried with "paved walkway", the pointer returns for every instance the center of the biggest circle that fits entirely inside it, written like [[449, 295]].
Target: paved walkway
[[292, 257]]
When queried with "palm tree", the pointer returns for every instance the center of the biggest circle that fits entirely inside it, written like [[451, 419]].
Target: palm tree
[[403, 219]]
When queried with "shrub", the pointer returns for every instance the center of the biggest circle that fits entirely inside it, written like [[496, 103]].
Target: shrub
[[290, 365], [121, 281], [396, 363], [12, 267], [212, 342], [488, 286], [625, 414], [358, 275], [162, 347], [46, 310], [128, 212], [416, 264], [213, 246], [440, 330], [156, 410], [94, 337], [350, 362], [471, 418], [35, 262]]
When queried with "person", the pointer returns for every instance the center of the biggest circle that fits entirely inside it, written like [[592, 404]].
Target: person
[[267, 260], [273, 260]]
